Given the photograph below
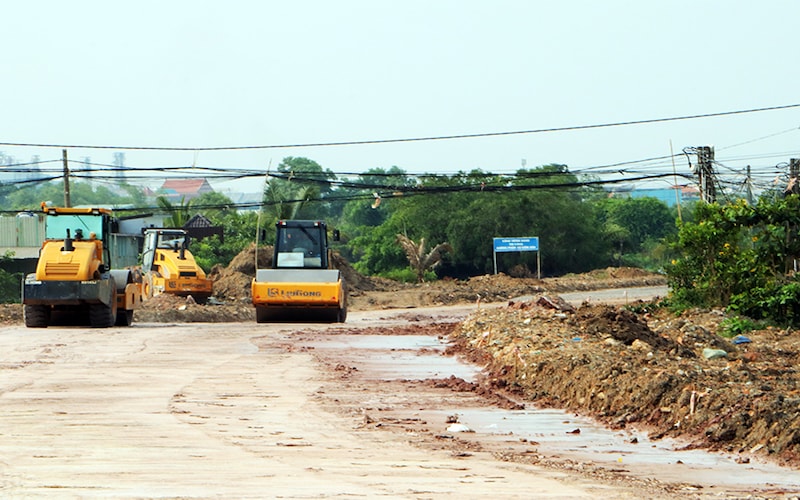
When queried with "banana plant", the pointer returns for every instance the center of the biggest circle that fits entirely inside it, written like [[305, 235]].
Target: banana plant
[[418, 258]]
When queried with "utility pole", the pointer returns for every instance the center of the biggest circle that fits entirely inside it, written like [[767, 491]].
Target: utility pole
[[66, 178], [705, 173], [677, 188], [792, 188], [749, 187], [794, 178]]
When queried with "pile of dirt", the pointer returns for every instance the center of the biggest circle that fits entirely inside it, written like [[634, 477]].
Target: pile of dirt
[[501, 287], [357, 282], [10, 314], [673, 376], [167, 308], [232, 301], [488, 288], [232, 283], [494, 288], [245, 261], [610, 277]]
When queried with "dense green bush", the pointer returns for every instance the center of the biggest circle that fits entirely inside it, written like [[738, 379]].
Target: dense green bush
[[10, 283], [740, 257]]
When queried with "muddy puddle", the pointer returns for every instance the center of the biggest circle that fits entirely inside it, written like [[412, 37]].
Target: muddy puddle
[[552, 433], [557, 434], [386, 357]]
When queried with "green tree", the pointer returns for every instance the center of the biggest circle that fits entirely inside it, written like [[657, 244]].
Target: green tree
[[555, 205], [631, 224], [468, 209], [81, 194], [213, 205], [376, 252], [620, 238], [644, 218], [423, 212], [239, 230], [298, 181], [369, 201], [178, 214], [740, 257], [9, 282], [371, 196]]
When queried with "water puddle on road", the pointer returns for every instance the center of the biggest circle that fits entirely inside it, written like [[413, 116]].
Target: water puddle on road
[[387, 357], [553, 433], [560, 434]]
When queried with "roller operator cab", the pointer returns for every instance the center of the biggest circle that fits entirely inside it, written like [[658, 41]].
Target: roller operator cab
[[301, 285], [169, 266], [74, 278]]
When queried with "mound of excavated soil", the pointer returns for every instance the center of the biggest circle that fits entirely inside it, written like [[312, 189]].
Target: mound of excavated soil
[[245, 261], [232, 287], [652, 371], [356, 282], [232, 290], [166, 308], [10, 314], [232, 283]]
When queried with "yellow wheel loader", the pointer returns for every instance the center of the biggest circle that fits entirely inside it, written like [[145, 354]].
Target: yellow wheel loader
[[301, 286], [169, 266], [74, 280]]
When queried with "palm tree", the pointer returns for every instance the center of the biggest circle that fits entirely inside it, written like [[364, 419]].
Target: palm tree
[[420, 260], [178, 215], [286, 201]]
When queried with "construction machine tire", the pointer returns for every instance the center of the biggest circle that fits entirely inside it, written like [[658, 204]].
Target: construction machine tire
[[124, 317], [136, 275], [342, 316], [123, 278], [262, 314], [147, 285], [101, 315], [104, 315], [36, 315], [200, 299]]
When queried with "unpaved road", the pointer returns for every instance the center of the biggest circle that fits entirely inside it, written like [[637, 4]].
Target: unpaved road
[[240, 410], [208, 411]]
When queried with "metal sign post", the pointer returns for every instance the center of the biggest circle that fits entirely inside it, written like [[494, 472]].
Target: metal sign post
[[523, 244]]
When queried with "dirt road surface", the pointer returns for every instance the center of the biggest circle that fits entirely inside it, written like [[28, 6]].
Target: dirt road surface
[[215, 410], [240, 410]]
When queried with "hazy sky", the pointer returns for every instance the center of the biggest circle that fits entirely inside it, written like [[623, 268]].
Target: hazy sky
[[208, 74]]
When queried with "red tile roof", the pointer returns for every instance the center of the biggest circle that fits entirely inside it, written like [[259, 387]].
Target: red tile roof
[[186, 186]]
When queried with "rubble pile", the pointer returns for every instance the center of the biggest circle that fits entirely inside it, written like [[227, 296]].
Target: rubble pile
[[651, 371]]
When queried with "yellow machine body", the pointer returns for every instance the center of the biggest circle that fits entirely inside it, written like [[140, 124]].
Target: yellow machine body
[[300, 286], [79, 264], [171, 268], [74, 281]]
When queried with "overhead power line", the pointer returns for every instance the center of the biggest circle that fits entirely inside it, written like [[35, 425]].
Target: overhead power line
[[408, 139], [403, 191]]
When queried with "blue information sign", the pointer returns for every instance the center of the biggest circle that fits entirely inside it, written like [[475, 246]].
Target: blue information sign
[[526, 244]]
